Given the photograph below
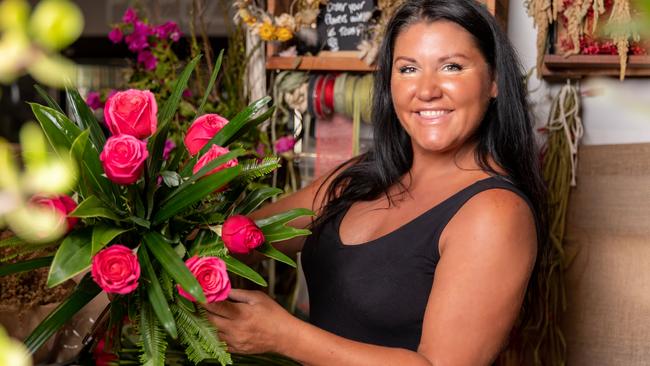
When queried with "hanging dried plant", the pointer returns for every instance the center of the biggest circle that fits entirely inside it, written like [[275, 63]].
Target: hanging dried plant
[[542, 13], [620, 33]]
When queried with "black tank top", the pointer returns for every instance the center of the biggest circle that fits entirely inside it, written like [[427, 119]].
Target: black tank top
[[377, 292]]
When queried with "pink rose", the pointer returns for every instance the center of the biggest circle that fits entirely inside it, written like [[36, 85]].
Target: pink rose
[[212, 276], [62, 205], [202, 131], [123, 158], [241, 235], [116, 269], [214, 152], [132, 112]]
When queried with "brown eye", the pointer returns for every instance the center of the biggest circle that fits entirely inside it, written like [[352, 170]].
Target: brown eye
[[406, 69], [452, 67]]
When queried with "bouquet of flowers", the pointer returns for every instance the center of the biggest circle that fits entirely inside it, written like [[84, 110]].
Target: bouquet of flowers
[[155, 225]]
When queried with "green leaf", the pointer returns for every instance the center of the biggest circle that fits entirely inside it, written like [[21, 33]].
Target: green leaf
[[203, 171], [199, 336], [284, 217], [271, 252], [252, 124], [156, 296], [25, 266], [85, 118], [240, 120], [153, 340], [194, 193], [169, 108], [93, 207], [213, 78], [46, 96], [82, 295], [60, 131], [241, 269], [173, 264], [89, 164], [72, 257], [156, 147], [277, 233], [103, 234], [254, 199], [139, 221], [171, 179]]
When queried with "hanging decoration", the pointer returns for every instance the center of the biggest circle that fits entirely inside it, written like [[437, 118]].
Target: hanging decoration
[[586, 27], [280, 28]]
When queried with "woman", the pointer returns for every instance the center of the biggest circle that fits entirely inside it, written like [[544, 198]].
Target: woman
[[423, 247]]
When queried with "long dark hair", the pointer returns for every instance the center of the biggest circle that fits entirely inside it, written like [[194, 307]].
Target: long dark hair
[[505, 135]]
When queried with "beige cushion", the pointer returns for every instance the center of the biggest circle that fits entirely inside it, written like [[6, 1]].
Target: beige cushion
[[607, 321]]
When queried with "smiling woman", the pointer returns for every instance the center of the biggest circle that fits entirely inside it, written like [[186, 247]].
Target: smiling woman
[[423, 248]]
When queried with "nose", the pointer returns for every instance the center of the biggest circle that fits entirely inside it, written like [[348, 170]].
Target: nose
[[428, 88]]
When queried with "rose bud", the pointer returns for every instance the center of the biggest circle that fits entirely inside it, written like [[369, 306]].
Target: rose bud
[[202, 131], [62, 205], [241, 235], [131, 112], [123, 158], [116, 269], [214, 152], [212, 276]]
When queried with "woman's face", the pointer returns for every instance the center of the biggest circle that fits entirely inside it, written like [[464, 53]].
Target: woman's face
[[440, 85]]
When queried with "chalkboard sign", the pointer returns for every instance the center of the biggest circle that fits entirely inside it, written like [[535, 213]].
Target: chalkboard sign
[[342, 23]]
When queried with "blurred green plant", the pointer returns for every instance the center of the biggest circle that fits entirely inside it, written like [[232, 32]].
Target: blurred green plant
[[13, 352], [30, 43]]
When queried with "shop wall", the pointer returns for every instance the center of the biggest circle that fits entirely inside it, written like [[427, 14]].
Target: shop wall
[[619, 113]]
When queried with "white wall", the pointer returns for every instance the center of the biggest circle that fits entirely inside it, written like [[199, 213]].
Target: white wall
[[619, 112]]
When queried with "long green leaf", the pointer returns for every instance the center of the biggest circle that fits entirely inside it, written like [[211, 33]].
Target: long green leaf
[[240, 120], [275, 233], [60, 131], [254, 199], [93, 207], [25, 266], [213, 78], [241, 269], [194, 193], [156, 296], [72, 257], [203, 171], [12, 241], [50, 102], [103, 234], [169, 108], [271, 252], [252, 124], [284, 217], [83, 152], [85, 118], [82, 295], [173, 264]]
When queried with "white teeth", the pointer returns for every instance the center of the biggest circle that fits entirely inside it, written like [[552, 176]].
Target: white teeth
[[436, 113]]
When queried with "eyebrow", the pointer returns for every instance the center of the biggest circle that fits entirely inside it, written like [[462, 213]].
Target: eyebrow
[[441, 59]]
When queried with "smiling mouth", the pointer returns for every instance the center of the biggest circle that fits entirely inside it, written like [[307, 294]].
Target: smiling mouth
[[433, 114]]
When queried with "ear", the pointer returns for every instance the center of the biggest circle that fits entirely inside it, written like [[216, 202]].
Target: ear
[[494, 91]]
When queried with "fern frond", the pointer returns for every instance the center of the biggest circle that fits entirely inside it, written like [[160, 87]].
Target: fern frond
[[12, 241], [153, 340], [252, 169], [167, 285], [199, 336]]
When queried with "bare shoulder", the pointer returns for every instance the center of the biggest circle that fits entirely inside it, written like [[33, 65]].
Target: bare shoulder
[[498, 219]]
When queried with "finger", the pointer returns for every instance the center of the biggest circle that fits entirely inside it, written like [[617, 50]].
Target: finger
[[225, 309], [245, 296], [219, 322]]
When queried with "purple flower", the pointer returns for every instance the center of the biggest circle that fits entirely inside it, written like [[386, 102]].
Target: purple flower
[[169, 146], [169, 29], [147, 59], [284, 144], [93, 100], [187, 93], [129, 16], [138, 40], [260, 150], [115, 35]]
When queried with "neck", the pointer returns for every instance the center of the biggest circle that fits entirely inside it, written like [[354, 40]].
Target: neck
[[428, 167]]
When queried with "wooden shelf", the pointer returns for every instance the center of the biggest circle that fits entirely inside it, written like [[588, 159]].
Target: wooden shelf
[[273, 62], [557, 67], [317, 63]]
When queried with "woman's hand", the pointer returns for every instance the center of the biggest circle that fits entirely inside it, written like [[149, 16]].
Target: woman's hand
[[251, 322]]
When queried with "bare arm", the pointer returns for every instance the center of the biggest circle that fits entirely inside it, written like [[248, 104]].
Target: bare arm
[[487, 255]]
